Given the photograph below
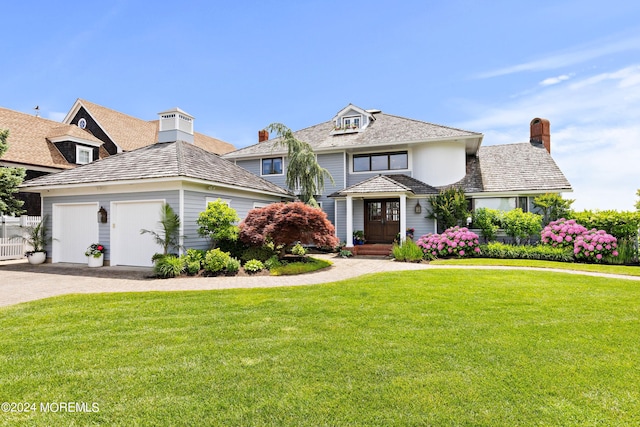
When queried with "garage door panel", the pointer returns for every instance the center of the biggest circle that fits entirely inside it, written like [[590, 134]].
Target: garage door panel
[[75, 227], [131, 247]]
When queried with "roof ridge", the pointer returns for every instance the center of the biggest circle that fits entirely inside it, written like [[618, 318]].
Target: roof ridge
[[430, 123]]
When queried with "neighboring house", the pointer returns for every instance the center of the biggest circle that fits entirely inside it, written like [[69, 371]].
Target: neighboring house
[[386, 167], [89, 132], [44, 146], [130, 189]]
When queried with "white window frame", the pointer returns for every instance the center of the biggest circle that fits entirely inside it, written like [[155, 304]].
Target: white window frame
[[348, 121], [81, 149], [271, 174], [208, 200]]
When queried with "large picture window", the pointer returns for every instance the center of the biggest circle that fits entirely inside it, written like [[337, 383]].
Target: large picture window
[[272, 166], [380, 162]]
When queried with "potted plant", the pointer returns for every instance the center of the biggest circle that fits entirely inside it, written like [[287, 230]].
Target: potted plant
[[37, 238], [410, 232], [95, 255], [358, 237]]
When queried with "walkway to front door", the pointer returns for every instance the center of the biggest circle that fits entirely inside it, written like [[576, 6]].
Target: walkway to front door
[[381, 220]]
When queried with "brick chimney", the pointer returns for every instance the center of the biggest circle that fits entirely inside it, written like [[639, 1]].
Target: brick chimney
[[263, 135], [175, 125], [540, 133]]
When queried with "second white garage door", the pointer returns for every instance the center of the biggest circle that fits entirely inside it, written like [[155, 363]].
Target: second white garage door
[[128, 246]]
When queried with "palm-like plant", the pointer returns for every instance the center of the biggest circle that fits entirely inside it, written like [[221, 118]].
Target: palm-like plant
[[169, 236]]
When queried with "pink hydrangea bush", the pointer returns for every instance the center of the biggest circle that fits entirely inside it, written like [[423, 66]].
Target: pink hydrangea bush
[[588, 245], [562, 233], [454, 241], [594, 245]]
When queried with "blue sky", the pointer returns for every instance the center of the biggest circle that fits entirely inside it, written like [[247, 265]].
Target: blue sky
[[484, 66]]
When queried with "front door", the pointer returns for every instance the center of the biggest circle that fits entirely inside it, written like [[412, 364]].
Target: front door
[[382, 220]]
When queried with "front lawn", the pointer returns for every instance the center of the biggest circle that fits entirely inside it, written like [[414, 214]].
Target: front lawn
[[439, 347], [596, 268]]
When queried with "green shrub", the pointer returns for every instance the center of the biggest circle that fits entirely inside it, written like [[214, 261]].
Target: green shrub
[[627, 253], [408, 251], [215, 260], [273, 262], [488, 221], [168, 266], [193, 267], [521, 225], [539, 252], [217, 222], [233, 266], [235, 247], [622, 225], [298, 250], [552, 207], [261, 253], [253, 266], [344, 253]]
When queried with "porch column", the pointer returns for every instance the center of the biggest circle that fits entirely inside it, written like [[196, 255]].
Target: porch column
[[403, 217], [349, 220]]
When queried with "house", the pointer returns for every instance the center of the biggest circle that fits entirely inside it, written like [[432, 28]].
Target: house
[[88, 132], [386, 167], [110, 200]]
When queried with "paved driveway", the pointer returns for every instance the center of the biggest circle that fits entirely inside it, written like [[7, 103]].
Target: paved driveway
[[21, 282]]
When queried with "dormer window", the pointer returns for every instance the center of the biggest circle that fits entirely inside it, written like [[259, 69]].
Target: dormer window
[[352, 122], [84, 155]]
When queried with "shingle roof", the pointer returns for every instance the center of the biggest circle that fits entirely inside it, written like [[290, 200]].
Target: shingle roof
[[28, 143], [384, 131], [520, 167], [173, 159], [131, 133], [387, 184]]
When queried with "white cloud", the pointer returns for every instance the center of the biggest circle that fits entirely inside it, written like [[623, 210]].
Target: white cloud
[[555, 80], [595, 133], [570, 57]]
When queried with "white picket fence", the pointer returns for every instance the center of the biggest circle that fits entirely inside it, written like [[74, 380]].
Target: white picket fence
[[11, 247]]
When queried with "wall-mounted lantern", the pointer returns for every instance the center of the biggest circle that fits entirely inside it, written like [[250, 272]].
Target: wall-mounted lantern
[[418, 208], [102, 215]]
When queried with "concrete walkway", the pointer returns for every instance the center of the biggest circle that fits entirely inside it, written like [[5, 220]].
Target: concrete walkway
[[21, 282]]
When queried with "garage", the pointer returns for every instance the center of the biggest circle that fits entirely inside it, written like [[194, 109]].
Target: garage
[[128, 246], [74, 228]]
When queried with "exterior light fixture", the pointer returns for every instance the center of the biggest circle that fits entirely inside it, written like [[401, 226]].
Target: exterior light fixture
[[418, 208], [102, 215]]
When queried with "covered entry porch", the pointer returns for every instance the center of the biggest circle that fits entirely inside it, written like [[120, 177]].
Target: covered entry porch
[[383, 207]]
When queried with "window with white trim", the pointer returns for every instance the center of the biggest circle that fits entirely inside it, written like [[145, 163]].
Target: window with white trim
[[351, 122], [84, 155], [272, 166], [213, 199]]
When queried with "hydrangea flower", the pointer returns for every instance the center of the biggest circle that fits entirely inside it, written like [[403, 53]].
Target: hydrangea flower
[[453, 241]]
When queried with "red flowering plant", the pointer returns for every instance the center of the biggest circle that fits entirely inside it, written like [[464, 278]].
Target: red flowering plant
[[95, 250]]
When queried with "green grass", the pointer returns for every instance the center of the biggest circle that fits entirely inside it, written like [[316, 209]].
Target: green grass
[[596, 268], [312, 264], [439, 347]]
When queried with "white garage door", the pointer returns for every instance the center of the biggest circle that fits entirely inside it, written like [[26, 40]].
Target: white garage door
[[75, 227], [129, 247]]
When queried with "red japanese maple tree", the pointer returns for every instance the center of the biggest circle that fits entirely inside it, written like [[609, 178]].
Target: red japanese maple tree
[[286, 224]]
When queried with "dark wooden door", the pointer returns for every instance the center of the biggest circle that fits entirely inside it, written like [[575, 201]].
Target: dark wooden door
[[381, 220]]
